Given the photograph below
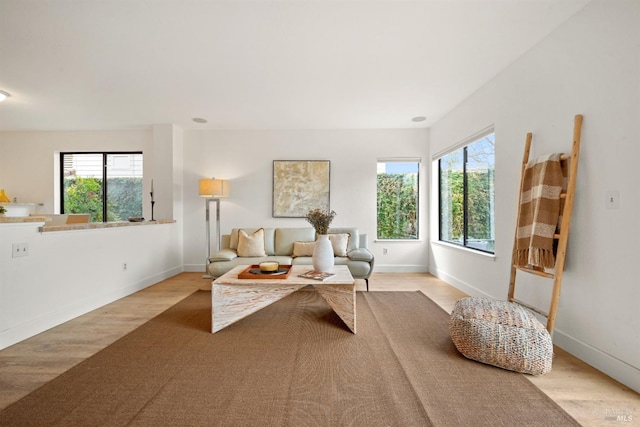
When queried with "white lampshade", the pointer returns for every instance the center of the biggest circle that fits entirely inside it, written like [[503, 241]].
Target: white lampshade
[[211, 187]]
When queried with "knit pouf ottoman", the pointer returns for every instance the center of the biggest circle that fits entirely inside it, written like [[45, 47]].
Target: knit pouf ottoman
[[502, 334]]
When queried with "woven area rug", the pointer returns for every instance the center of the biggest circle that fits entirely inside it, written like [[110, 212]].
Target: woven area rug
[[291, 364]]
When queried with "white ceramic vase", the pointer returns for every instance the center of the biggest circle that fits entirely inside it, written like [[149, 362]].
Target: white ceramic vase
[[323, 254]]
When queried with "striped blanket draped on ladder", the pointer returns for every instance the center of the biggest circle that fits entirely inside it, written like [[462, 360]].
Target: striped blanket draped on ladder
[[539, 212]]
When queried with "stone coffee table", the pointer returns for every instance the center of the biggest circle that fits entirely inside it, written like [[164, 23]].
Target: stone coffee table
[[234, 298]]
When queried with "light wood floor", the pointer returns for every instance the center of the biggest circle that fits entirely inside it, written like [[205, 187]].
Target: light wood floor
[[585, 393]]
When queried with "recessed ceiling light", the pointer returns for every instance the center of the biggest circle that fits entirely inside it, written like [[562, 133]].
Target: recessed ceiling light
[[419, 119], [199, 120], [3, 95]]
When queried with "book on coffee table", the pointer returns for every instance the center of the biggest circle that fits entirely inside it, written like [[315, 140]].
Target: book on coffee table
[[316, 275]]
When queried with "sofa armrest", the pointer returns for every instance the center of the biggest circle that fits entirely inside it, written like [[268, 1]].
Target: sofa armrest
[[364, 241], [360, 254], [223, 255]]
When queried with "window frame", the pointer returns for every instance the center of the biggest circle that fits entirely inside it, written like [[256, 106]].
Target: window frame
[[463, 145], [418, 162], [105, 155]]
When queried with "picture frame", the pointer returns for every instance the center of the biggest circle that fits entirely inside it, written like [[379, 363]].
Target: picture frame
[[299, 186]]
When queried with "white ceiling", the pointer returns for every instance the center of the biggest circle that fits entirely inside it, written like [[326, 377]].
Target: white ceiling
[[298, 64]]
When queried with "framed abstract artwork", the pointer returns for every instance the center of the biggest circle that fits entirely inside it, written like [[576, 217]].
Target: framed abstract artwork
[[299, 186]]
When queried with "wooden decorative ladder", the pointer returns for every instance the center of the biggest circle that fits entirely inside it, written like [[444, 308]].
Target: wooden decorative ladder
[[570, 162]]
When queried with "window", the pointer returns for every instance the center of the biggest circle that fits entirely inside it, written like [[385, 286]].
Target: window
[[106, 185], [466, 181], [398, 199]]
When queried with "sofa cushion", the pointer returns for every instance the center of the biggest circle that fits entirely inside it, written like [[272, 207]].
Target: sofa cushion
[[339, 241], [235, 232], [303, 248], [269, 234], [251, 245], [302, 260], [354, 236], [286, 237]]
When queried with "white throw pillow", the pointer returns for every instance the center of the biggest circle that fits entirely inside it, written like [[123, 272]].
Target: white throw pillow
[[339, 241], [251, 246], [303, 248]]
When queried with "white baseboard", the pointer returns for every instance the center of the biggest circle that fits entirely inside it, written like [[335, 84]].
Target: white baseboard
[[609, 365], [159, 277], [194, 268], [459, 284], [378, 268], [77, 308]]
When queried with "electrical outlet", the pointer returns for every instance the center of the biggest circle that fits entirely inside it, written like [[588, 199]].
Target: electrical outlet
[[385, 251], [20, 250], [612, 199], [124, 266]]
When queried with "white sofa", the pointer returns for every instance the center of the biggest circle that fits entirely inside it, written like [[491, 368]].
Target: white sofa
[[279, 246]]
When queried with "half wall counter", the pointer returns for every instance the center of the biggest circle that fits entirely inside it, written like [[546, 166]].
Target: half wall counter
[[52, 274]]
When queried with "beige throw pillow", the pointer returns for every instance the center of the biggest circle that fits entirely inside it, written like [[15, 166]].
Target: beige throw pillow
[[339, 243], [303, 248], [251, 245]]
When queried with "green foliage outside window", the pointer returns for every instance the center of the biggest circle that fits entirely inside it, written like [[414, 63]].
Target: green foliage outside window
[[466, 187], [479, 210], [455, 205], [124, 198], [84, 195], [397, 206]]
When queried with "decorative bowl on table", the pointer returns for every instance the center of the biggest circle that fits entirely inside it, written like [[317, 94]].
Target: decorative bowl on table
[[269, 266], [253, 272]]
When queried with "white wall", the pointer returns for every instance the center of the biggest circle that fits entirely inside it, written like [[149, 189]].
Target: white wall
[[589, 66], [245, 158], [68, 273]]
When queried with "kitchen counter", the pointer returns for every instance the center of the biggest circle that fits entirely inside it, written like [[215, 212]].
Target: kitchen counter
[[14, 219], [88, 226], [99, 225]]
